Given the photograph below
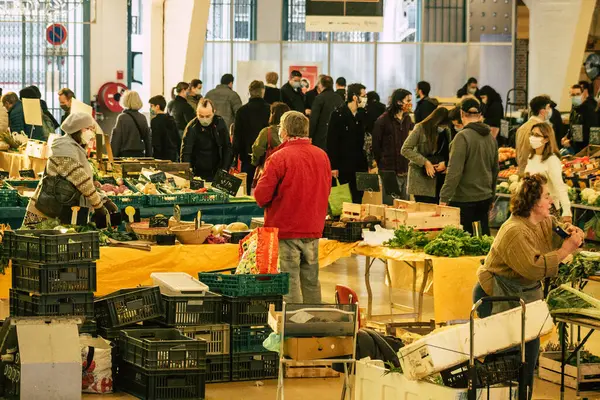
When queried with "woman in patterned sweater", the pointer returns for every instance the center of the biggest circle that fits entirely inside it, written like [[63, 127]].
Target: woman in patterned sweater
[[69, 160]]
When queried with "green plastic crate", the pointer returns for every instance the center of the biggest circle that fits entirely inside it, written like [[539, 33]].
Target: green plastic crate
[[137, 200], [249, 339], [168, 199], [247, 285], [209, 197], [9, 197]]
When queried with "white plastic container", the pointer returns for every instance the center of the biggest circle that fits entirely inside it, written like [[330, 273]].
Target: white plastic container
[[371, 383], [178, 284], [445, 349]]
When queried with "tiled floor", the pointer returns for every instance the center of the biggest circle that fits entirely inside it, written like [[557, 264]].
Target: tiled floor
[[350, 272]]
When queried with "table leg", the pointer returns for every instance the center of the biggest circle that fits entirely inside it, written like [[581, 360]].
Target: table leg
[[389, 278], [563, 353], [427, 267], [368, 263]]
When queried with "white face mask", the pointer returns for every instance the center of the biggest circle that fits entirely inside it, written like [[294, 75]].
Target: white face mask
[[205, 121], [362, 102], [536, 142], [87, 135], [549, 115]]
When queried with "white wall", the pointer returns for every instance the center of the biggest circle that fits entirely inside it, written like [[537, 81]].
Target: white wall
[[108, 44], [558, 31]]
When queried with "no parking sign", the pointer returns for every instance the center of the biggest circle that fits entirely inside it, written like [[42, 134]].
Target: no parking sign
[[56, 34]]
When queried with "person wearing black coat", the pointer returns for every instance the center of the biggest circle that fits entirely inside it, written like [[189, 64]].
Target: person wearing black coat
[[426, 104], [206, 145], [493, 111], [582, 118], [272, 92], [310, 96], [373, 110], [33, 92], [166, 142], [324, 105], [470, 88], [557, 122], [250, 119], [179, 108], [291, 92], [346, 140]]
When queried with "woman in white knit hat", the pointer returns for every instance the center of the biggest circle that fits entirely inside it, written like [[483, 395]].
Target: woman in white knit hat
[[69, 179]]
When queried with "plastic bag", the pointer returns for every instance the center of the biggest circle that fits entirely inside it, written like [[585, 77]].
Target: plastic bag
[[339, 195], [259, 252], [96, 361], [273, 342]]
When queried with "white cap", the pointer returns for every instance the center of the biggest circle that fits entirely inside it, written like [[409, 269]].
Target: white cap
[[76, 122]]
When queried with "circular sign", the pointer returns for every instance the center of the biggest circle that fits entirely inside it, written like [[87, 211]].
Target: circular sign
[[56, 34]]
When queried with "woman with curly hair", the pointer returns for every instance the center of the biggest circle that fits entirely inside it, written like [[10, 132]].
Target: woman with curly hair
[[525, 251]]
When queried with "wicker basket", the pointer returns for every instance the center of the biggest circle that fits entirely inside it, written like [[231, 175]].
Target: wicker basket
[[189, 235], [173, 223], [144, 232]]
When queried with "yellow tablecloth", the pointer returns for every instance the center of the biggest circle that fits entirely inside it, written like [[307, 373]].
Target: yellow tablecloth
[[14, 162], [120, 268]]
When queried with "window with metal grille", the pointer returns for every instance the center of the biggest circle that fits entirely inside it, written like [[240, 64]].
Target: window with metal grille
[[220, 25], [28, 59], [444, 21]]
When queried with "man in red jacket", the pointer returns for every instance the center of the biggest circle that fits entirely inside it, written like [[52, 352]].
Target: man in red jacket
[[294, 191]]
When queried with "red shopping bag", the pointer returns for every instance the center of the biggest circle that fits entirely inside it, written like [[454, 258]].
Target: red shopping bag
[[259, 252]]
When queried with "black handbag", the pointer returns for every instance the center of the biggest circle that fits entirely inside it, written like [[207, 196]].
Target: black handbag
[[56, 194]]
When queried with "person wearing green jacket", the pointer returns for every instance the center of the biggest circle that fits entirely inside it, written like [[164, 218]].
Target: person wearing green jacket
[[261, 148]]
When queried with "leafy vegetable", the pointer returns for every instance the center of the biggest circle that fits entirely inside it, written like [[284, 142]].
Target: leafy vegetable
[[565, 300], [454, 242], [584, 264], [408, 238], [104, 234]]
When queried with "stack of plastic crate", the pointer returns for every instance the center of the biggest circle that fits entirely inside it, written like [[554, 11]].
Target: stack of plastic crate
[[197, 313], [161, 363], [53, 273], [246, 301]]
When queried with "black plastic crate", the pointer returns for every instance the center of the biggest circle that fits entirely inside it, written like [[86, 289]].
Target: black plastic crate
[[192, 310], [249, 339], [156, 349], [217, 337], [128, 306], [218, 369], [253, 366], [180, 385], [249, 310], [350, 232], [236, 285], [496, 369], [89, 327], [50, 246], [54, 278], [24, 304]]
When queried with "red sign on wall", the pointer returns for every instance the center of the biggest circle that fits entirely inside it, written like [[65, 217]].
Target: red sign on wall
[[310, 75]]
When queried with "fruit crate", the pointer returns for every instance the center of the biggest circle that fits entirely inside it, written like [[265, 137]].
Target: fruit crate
[[157, 349], [49, 246], [218, 369], [249, 339], [216, 337], [155, 200], [24, 304], [54, 278], [254, 366], [136, 200], [128, 306], [209, 197], [192, 310], [351, 232], [180, 385], [9, 197], [249, 310], [247, 284]]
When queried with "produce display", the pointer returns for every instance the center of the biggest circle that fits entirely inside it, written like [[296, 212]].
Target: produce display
[[566, 300], [583, 265], [407, 238], [104, 234], [506, 153], [505, 173]]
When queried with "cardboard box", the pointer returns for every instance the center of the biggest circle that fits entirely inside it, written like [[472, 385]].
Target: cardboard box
[[301, 369], [317, 348]]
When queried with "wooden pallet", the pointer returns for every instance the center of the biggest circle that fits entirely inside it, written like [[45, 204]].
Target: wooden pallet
[[305, 370]]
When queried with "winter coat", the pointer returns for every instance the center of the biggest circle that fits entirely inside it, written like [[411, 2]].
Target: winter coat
[[294, 190], [261, 144], [372, 112], [473, 166], [584, 115], [166, 142], [346, 140], [193, 101], [227, 102], [309, 98], [250, 119], [272, 94], [322, 108], [493, 113], [416, 150], [207, 148], [342, 94], [181, 111], [425, 106], [16, 119], [389, 135], [294, 98], [129, 139]]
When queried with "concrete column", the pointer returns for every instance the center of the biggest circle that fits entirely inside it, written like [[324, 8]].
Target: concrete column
[[184, 36], [558, 32], [153, 47]]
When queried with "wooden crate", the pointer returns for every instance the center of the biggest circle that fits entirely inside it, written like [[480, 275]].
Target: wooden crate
[[590, 151], [550, 371], [372, 210], [421, 216], [36, 149], [299, 369], [351, 211]]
